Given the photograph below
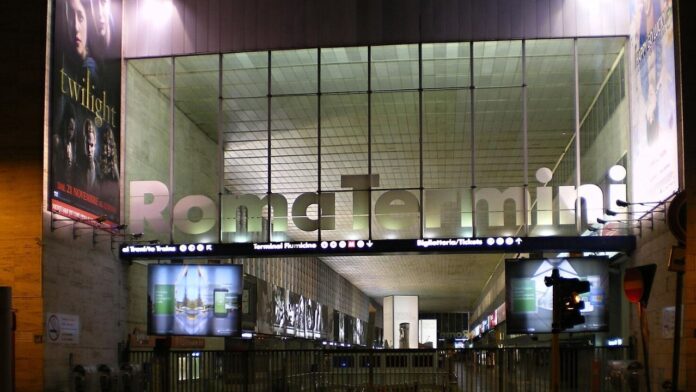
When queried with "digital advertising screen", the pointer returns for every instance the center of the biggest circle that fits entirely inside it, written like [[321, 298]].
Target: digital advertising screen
[[194, 299], [529, 302]]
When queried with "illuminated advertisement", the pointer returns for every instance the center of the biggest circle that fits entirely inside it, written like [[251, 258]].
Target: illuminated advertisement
[[529, 302], [427, 333], [653, 101], [85, 135], [401, 321], [194, 299]]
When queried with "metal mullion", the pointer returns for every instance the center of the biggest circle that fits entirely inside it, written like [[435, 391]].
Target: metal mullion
[[576, 107], [369, 142], [268, 144], [472, 112], [220, 149], [420, 137], [525, 141], [319, 212], [171, 149]]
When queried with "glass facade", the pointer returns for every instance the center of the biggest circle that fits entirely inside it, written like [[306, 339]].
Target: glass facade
[[429, 140]]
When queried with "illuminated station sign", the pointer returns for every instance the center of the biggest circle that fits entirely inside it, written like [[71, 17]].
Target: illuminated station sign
[[377, 247]]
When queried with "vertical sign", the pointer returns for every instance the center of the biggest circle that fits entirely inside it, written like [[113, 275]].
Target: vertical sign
[[85, 133], [653, 101]]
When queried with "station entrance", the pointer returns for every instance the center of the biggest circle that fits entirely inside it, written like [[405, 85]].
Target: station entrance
[[294, 341]]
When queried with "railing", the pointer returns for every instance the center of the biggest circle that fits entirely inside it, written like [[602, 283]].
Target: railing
[[496, 369]]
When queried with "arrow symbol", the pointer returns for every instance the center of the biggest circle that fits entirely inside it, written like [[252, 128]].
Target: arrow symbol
[[369, 244], [518, 241]]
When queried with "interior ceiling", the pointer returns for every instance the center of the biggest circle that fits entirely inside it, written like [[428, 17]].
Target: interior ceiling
[[443, 282]]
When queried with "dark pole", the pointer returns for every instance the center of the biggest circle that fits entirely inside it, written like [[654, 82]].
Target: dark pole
[[555, 329], [6, 343], [677, 331], [644, 339]]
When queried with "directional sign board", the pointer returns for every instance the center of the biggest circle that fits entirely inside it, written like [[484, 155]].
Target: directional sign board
[[378, 247]]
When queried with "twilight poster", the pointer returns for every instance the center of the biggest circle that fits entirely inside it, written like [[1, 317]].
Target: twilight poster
[[85, 137]]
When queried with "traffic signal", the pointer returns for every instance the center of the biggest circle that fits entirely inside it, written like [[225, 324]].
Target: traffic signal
[[567, 302]]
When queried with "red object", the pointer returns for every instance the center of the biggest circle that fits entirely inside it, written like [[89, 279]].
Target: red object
[[633, 285]]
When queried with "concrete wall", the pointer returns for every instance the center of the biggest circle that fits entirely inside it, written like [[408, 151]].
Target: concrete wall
[[84, 279], [207, 26]]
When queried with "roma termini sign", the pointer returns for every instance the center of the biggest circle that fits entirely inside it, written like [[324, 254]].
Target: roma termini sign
[[393, 210]]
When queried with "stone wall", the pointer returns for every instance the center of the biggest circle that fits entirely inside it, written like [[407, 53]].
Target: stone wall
[[82, 277]]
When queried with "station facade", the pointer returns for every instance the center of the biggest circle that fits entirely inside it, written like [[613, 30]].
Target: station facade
[[300, 128]]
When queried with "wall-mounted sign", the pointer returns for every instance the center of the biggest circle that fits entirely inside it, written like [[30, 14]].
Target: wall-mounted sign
[[63, 328], [366, 247]]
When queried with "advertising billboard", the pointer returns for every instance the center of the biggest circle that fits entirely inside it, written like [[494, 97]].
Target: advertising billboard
[[85, 137], [654, 148], [529, 302], [194, 299]]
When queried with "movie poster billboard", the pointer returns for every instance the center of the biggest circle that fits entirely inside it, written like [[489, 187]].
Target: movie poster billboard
[[85, 137], [654, 164]]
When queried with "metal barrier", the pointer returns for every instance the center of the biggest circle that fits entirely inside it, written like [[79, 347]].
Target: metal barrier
[[495, 369]]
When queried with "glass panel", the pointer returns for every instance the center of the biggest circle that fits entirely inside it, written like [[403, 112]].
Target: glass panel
[[244, 123], [196, 148], [498, 137], [596, 57], [498, 159], [395, 139], [497, 63], [447, 139], [447, 213], [245, 75], [301, 223], [294, 147], [344, 69], [351, 216], [245, 134], [147, 144], [603, 131], [446, 65], [394, 67], [343, 138], [294, 71], [447, 163], [550, 124], [395, 214]]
